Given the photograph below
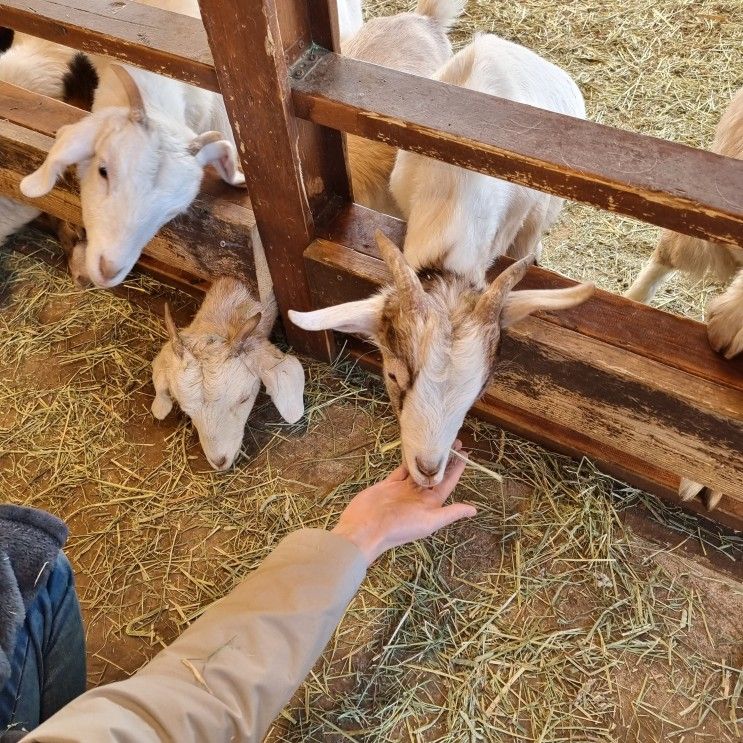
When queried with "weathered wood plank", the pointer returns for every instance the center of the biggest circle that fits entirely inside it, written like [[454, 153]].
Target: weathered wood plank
[[672, 340], [667, 184], [167, 43], [215, 237], [33, 111], [295, 170]]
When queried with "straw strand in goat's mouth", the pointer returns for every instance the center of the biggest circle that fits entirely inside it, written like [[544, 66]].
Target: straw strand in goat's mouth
[[468, 462]]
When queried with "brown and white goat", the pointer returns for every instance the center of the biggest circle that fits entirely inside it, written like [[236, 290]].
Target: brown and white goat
[[439, 333], [696, 257], [215, 366]]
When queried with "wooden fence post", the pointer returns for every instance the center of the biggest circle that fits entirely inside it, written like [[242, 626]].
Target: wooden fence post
[[295, 170]]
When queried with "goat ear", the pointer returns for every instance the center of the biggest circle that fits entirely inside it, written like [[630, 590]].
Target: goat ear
[[175, 338], [520, 304], [362, 316], [406, 280], [137, 112], [240, 337], [283, 377], [74, 143], [211, 148]]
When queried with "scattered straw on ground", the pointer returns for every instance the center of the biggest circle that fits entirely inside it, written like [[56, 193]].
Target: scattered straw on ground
[[666, 68], [542, 620]]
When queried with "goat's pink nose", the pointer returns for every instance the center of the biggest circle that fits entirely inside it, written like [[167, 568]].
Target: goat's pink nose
[[109, 270], [220, 463], [426, 467]]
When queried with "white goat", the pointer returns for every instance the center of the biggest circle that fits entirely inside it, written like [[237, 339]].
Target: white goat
[[48, 69], [692, 255], [438, 325], [140, 156], [214, 368], [415, 43], [481, 217]]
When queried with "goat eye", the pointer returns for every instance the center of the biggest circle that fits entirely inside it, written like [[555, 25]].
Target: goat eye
[[102, 172]]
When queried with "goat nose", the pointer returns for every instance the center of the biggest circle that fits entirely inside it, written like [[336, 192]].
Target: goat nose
[[109, 270], [426, 467], [220, 463]]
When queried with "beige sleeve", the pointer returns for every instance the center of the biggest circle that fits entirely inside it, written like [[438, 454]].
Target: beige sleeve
[[228, 675]]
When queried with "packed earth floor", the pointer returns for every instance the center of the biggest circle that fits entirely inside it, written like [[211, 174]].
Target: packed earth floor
[[572, 608]]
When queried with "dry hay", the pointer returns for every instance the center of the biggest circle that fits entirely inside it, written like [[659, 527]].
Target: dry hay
[[542, 620], [667, 68]]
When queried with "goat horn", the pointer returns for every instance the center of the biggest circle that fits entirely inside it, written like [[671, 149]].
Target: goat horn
[[494, 296], [406, 280], [198, 144], [175, 337], [137, 111]]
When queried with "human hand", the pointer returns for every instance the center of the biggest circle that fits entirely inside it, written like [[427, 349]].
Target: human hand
[[396, 511]]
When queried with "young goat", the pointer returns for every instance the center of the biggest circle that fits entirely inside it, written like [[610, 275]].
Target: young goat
[[462, 220], [51, 70], [692, 255], [214, 368], [438, 325], [420, 47], [697, 257], [439, 333], [140, 157]]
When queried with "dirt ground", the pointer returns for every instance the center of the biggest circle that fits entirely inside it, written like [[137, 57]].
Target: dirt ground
[[546, 618]]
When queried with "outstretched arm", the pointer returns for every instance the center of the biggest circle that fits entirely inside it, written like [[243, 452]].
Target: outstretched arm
[[229, 675]]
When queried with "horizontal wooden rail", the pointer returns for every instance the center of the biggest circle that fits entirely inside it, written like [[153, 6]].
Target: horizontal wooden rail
[[667, 184], [215, 237], [634, 387], [675, 341], [167, 43]]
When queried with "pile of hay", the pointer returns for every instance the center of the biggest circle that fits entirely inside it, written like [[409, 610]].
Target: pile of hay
[[543, 619], [667, 68]]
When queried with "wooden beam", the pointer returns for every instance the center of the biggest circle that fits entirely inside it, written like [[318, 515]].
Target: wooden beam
[[168, 43], [667, 184], [672, 340], [295, 171], [215, 237], [562, 382]]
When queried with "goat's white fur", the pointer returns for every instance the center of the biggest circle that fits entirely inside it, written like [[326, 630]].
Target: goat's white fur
[[696, 257], [350, 17], [38, 66], [463, 219], [415, 43], [213, 369]]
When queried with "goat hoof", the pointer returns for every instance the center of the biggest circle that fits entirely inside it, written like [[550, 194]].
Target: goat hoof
[[688, 489], [711, 499]]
